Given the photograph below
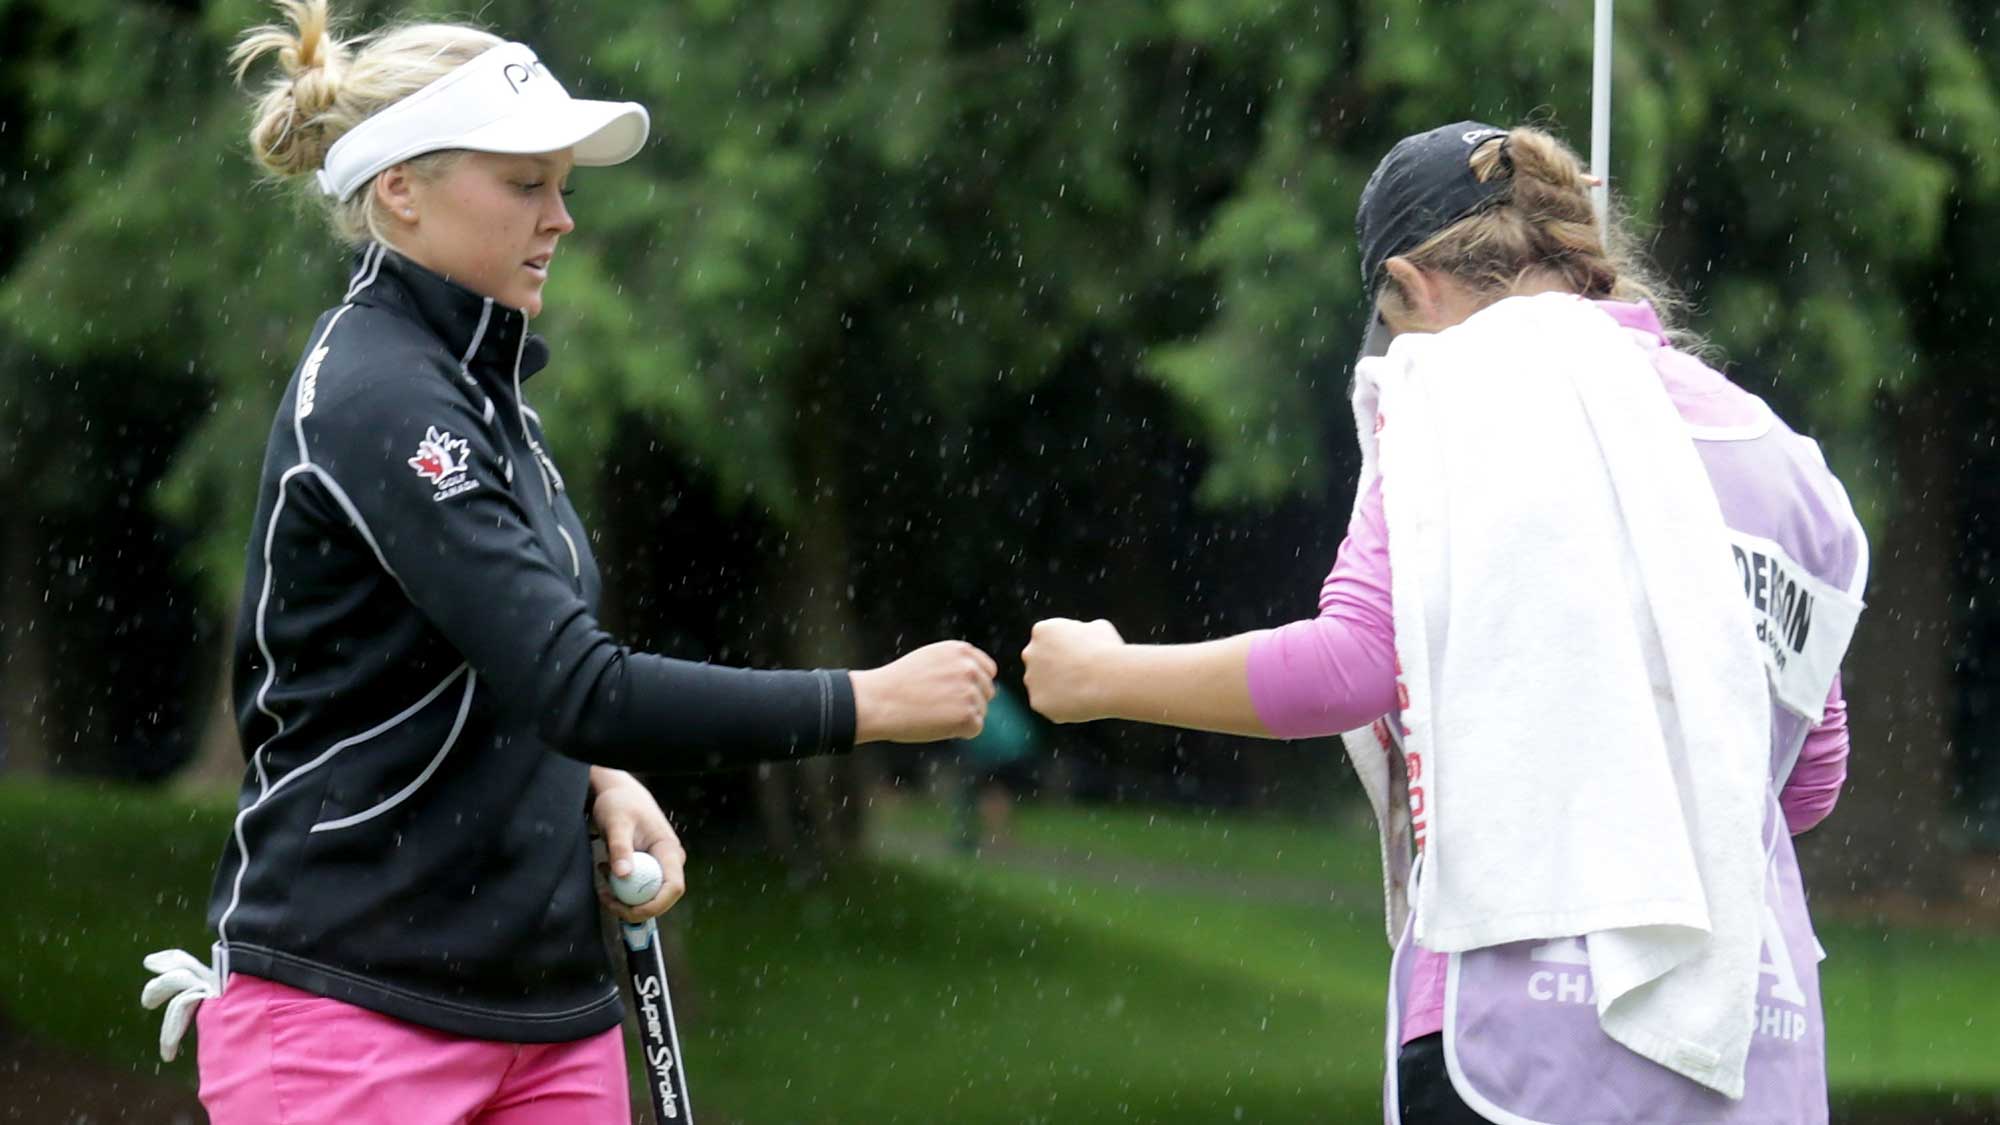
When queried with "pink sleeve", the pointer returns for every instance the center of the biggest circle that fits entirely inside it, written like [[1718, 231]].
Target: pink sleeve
[[1815, 783], [1337, 671]]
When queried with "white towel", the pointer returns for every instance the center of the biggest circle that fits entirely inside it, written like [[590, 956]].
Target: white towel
[[1583, 687]]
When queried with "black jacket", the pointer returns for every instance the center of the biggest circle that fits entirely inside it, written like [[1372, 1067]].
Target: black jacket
[[421, 680]]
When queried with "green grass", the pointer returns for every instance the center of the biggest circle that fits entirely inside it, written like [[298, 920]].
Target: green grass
[[93, 880], [1911, 1009], [1115, 965], [1340, 856], [891, 993]]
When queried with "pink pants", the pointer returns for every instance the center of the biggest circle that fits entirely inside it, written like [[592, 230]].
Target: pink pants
[[273, 1055]]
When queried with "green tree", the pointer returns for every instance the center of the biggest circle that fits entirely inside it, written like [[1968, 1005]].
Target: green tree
[[89, 408], [888, 271]]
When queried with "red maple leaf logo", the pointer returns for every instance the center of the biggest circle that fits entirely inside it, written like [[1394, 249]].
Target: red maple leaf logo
[[439, 455]]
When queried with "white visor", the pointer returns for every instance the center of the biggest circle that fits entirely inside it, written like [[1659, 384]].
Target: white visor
[[505, 100]]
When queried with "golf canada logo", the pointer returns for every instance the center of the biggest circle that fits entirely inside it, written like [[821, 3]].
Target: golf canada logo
[[442, 460]]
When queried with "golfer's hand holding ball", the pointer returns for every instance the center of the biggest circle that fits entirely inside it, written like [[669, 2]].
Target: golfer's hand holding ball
[[1068, 664], [636, 833], [940, 691]]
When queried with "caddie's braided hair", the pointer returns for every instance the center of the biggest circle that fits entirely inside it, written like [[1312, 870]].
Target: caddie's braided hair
[[1542, 224]]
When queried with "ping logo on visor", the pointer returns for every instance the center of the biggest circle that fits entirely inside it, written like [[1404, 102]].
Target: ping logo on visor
[[505, 100], [519, 73]]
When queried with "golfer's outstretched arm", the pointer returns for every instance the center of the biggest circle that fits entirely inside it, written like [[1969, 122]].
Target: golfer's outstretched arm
[[475, 565]]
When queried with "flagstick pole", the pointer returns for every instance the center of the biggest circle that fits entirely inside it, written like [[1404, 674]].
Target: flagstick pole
[[1600, 112]]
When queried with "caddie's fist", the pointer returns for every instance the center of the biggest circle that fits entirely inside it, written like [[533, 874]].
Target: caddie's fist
[[1067, 664]]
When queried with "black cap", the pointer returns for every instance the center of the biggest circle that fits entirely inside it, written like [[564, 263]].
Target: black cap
[[1424, 185]]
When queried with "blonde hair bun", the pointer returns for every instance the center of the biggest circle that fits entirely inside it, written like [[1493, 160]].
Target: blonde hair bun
[[290, 134], [325, 86]]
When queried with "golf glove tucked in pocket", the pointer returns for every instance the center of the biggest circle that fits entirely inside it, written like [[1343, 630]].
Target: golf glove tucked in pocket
[[182, 984]]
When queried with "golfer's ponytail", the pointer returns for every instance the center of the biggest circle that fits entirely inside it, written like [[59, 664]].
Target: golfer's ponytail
[[326, 86], [296, 119], [1543, 226]]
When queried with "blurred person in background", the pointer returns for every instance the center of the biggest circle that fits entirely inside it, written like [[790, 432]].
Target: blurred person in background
[[994, 767], [1583, 640]]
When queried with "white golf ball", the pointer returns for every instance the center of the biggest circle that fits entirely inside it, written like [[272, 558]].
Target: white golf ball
[[642, 884]]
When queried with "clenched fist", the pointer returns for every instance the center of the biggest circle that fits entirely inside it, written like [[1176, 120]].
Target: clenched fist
[[939, 691], [1066, 663]]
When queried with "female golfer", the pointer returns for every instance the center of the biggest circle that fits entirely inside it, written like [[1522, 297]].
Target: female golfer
[[1577, 730], [404, 910]]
